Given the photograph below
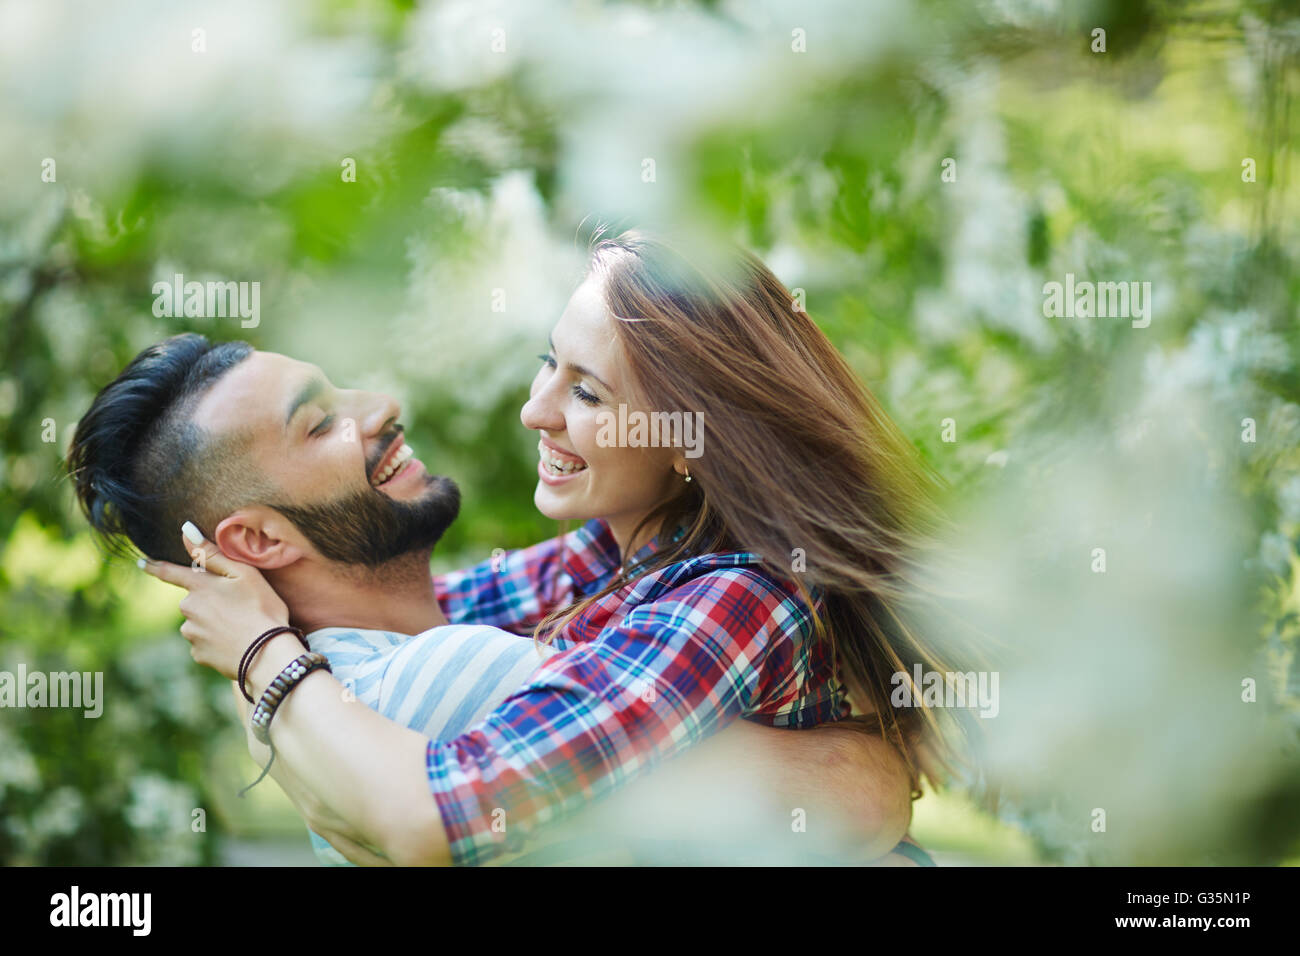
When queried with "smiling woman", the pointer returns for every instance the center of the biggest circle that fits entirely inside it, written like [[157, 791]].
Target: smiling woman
[[661, 330], [583, 475]]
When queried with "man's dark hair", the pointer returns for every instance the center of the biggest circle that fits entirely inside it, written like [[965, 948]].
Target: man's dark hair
[[141, 466]]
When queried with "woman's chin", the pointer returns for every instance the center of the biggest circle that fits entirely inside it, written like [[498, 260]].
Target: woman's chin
[[546, 501]]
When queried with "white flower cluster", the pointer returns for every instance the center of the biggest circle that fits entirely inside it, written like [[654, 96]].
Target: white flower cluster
[[163, 811]]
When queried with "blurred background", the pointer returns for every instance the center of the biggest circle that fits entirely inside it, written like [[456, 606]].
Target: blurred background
[[409, 183]]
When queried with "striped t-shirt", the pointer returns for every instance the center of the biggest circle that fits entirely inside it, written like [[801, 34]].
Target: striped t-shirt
[[440, 682]]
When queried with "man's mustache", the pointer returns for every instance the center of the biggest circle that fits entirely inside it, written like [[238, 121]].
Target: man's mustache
[[373, 461]]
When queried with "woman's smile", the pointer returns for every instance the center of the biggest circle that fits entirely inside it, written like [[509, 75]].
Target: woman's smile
[[555, 465]]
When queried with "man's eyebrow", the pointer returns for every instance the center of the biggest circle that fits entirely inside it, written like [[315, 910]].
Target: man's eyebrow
[[580, 369], [309, 391]]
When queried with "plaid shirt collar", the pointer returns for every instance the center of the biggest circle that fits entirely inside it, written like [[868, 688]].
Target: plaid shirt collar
[[593, 560], [594, 557]]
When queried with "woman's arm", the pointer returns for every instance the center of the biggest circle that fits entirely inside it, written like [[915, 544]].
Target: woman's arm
[[575, 733], [320, 818], [372, 770], [519, 588], [358, 772], [670, 674]]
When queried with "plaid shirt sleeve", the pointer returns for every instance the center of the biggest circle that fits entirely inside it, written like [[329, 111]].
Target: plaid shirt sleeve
[[514, 591], [672, 672]]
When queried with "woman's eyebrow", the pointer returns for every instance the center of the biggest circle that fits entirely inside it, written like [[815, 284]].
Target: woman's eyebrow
[[580, 369]]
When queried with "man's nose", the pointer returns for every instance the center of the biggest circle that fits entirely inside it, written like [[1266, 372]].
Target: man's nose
[[378, 413]]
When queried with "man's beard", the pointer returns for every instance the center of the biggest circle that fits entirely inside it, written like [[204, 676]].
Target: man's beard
[[369, 529]]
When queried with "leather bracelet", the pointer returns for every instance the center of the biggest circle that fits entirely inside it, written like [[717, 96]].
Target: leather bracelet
[[279, 689], [259, 642]]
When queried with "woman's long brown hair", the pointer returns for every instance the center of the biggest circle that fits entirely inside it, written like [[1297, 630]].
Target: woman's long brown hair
[[799, 459]]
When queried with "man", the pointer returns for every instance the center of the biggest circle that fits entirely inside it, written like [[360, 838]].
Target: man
[[314, 487]]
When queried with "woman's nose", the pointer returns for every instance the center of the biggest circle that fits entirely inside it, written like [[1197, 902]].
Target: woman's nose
[[540, 412]]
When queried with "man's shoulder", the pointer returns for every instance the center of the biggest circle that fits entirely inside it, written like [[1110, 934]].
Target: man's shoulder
[[369, 641], [358, 638], [378, 636]]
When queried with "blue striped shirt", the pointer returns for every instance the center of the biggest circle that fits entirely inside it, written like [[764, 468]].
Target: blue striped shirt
[[440, 682]]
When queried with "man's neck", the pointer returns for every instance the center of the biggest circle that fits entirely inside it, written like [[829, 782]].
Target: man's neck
[[398, 597]]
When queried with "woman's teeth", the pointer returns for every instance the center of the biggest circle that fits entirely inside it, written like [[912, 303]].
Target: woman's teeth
[[401, 458], [557, 465]]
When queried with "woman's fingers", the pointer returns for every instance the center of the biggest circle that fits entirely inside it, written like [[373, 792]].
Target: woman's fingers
[[206, 555], [182, 577], [223, 609]]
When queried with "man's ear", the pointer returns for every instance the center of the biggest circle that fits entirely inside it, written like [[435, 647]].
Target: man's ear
[[259, 536]]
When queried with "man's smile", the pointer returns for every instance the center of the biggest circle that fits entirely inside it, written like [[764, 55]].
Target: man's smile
[[392, 463], [396, 468]]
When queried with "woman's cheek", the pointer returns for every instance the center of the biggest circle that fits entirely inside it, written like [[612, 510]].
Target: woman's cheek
[[632, 477]]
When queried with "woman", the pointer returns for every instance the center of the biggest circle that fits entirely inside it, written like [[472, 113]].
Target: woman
[[759, 572]]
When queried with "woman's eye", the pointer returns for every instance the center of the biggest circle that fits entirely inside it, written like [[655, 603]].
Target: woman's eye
[[584, 396], [580, 393], [323, 427]]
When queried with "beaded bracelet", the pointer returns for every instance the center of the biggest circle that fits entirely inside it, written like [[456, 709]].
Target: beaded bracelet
[[259, 642], [285, 681]]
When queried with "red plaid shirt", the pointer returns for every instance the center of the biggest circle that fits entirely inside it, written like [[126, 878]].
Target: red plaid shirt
[[647, 671]]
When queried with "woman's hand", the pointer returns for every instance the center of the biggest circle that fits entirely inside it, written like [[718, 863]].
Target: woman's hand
[[228, 604]]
